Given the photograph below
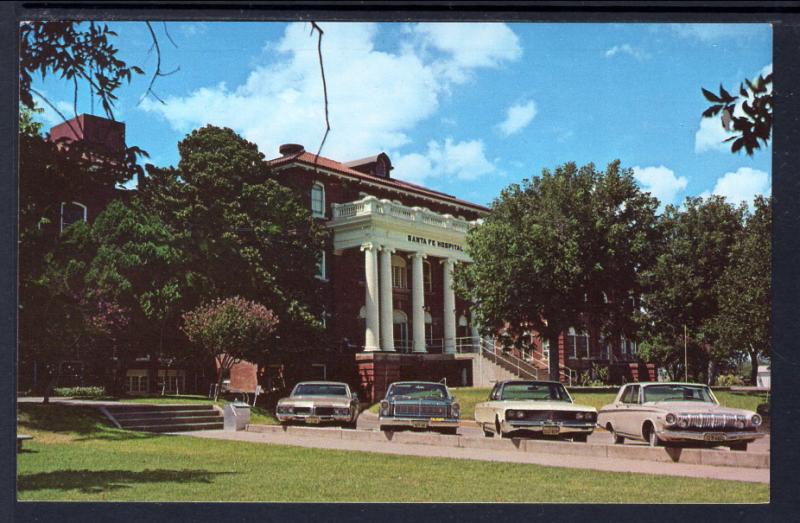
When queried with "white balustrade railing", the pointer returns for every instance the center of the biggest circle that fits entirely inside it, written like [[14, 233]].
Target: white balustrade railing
[[371, 205]]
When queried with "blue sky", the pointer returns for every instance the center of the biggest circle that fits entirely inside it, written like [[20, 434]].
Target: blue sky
[[462, 108]]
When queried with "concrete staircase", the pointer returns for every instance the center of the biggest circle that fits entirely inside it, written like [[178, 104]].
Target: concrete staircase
[[165, 418]]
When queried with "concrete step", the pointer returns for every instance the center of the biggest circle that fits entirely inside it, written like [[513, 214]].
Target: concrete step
[[140, 408], [178, 428], [162, 413], [168, 421]]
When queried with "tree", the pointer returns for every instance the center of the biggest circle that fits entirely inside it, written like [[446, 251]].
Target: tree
[[241, 232], [558, 250], [743, 323], [230, 330], [696, 250], [754, 123]]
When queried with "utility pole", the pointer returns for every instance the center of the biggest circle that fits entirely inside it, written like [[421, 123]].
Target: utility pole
[[685, 355]]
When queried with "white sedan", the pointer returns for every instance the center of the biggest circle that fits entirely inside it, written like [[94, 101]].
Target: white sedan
[[534, 408]]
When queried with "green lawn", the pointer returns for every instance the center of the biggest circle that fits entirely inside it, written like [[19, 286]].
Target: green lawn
[[468, 397], [76, 456]]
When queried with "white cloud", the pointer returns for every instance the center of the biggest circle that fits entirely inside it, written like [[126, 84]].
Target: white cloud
[[468, 46], [628, 49], [375, 97], [713, 32], [464, 160], [517, 118], [661, 182], [742, 185], [710, 135]]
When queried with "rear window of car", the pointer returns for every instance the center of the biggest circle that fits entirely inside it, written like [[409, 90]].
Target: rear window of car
[[417, 390], [319, 389]]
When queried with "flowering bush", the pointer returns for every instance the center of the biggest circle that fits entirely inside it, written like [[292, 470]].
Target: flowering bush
[[230, 330]]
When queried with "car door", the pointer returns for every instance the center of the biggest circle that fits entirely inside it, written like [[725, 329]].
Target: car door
[[629, 411]]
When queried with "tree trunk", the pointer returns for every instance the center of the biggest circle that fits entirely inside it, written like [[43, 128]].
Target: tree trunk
[[712, 372], [48, 389], [753, 366], [554, 366]]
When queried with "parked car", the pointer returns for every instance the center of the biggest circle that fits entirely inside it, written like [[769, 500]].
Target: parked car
[[419, 405], [316, 402], [530, 408], [677, 412]]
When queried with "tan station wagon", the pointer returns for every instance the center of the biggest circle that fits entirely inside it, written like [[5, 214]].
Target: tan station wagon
[[677, 412], [315, 402]]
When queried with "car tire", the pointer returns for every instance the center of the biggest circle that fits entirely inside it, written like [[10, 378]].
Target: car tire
[[740, 446], [497, 430], [616, 438], [580, 438], [487, 432], [450, 431], [652, 438], [386, 428]]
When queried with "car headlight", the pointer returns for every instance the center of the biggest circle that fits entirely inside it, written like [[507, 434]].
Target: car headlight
[[342, 411], [518, 414], [671, 419], [455, 410], [579, 415], [284, 409], [683, 423], [591, 416], [386, 408], [755, 420]]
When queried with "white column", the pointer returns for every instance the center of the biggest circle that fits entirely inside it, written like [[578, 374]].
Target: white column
[[449, 308], [371, 296], [387, 307], [418, 302]]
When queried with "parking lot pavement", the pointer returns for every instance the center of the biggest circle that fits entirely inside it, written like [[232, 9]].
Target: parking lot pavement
[[369, 421], [555, 460]]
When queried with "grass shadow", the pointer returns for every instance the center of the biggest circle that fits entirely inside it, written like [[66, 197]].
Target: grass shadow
[[82, 422], [89, 481]]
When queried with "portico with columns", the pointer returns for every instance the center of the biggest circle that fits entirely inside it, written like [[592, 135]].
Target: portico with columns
[[384, 231]]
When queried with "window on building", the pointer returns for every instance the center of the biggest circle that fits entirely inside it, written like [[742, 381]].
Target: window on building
[[427, 278], [136, 381], [399, 272], [321, 269], [362, 325], [318, 200], [171, 380], [462, 332], [546, 349], [400, 326], [72, 212], [577, 343]]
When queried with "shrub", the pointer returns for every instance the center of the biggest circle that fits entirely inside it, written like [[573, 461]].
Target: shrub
[[729, 380], [80, 392]]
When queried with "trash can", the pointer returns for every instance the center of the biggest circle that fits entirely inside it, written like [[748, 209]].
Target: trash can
[[236, 416]]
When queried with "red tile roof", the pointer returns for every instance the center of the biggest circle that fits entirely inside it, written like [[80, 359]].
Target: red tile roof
[[311, 159]]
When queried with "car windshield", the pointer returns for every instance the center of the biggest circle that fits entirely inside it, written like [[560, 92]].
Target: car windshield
[[669, 392], [535, 391], [319, 389], [417, 390]]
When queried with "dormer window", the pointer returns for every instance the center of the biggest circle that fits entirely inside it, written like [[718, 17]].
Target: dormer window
[[72, 212], [318, 200]]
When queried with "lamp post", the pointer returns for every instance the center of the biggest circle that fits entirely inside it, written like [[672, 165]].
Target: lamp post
[[685, 355]]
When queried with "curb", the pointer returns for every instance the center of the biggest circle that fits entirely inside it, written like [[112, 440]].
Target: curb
[[718, 458]]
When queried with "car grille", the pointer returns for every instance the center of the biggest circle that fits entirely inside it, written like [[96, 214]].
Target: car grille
[[711, 421], [324, 411], [302, 410], [547, 415], [405, 409]]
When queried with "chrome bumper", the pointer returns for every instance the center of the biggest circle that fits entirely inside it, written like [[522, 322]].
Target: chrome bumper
[[317, 418], [418, 422], [539, 426], [688, 435]]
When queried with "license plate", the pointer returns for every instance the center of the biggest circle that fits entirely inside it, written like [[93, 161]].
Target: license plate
[[312, 419], [714, 436], [437, 419], [550, 431], [419, 424]]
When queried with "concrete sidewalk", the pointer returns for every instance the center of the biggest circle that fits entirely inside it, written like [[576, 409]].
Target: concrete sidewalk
[[578, 462]]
